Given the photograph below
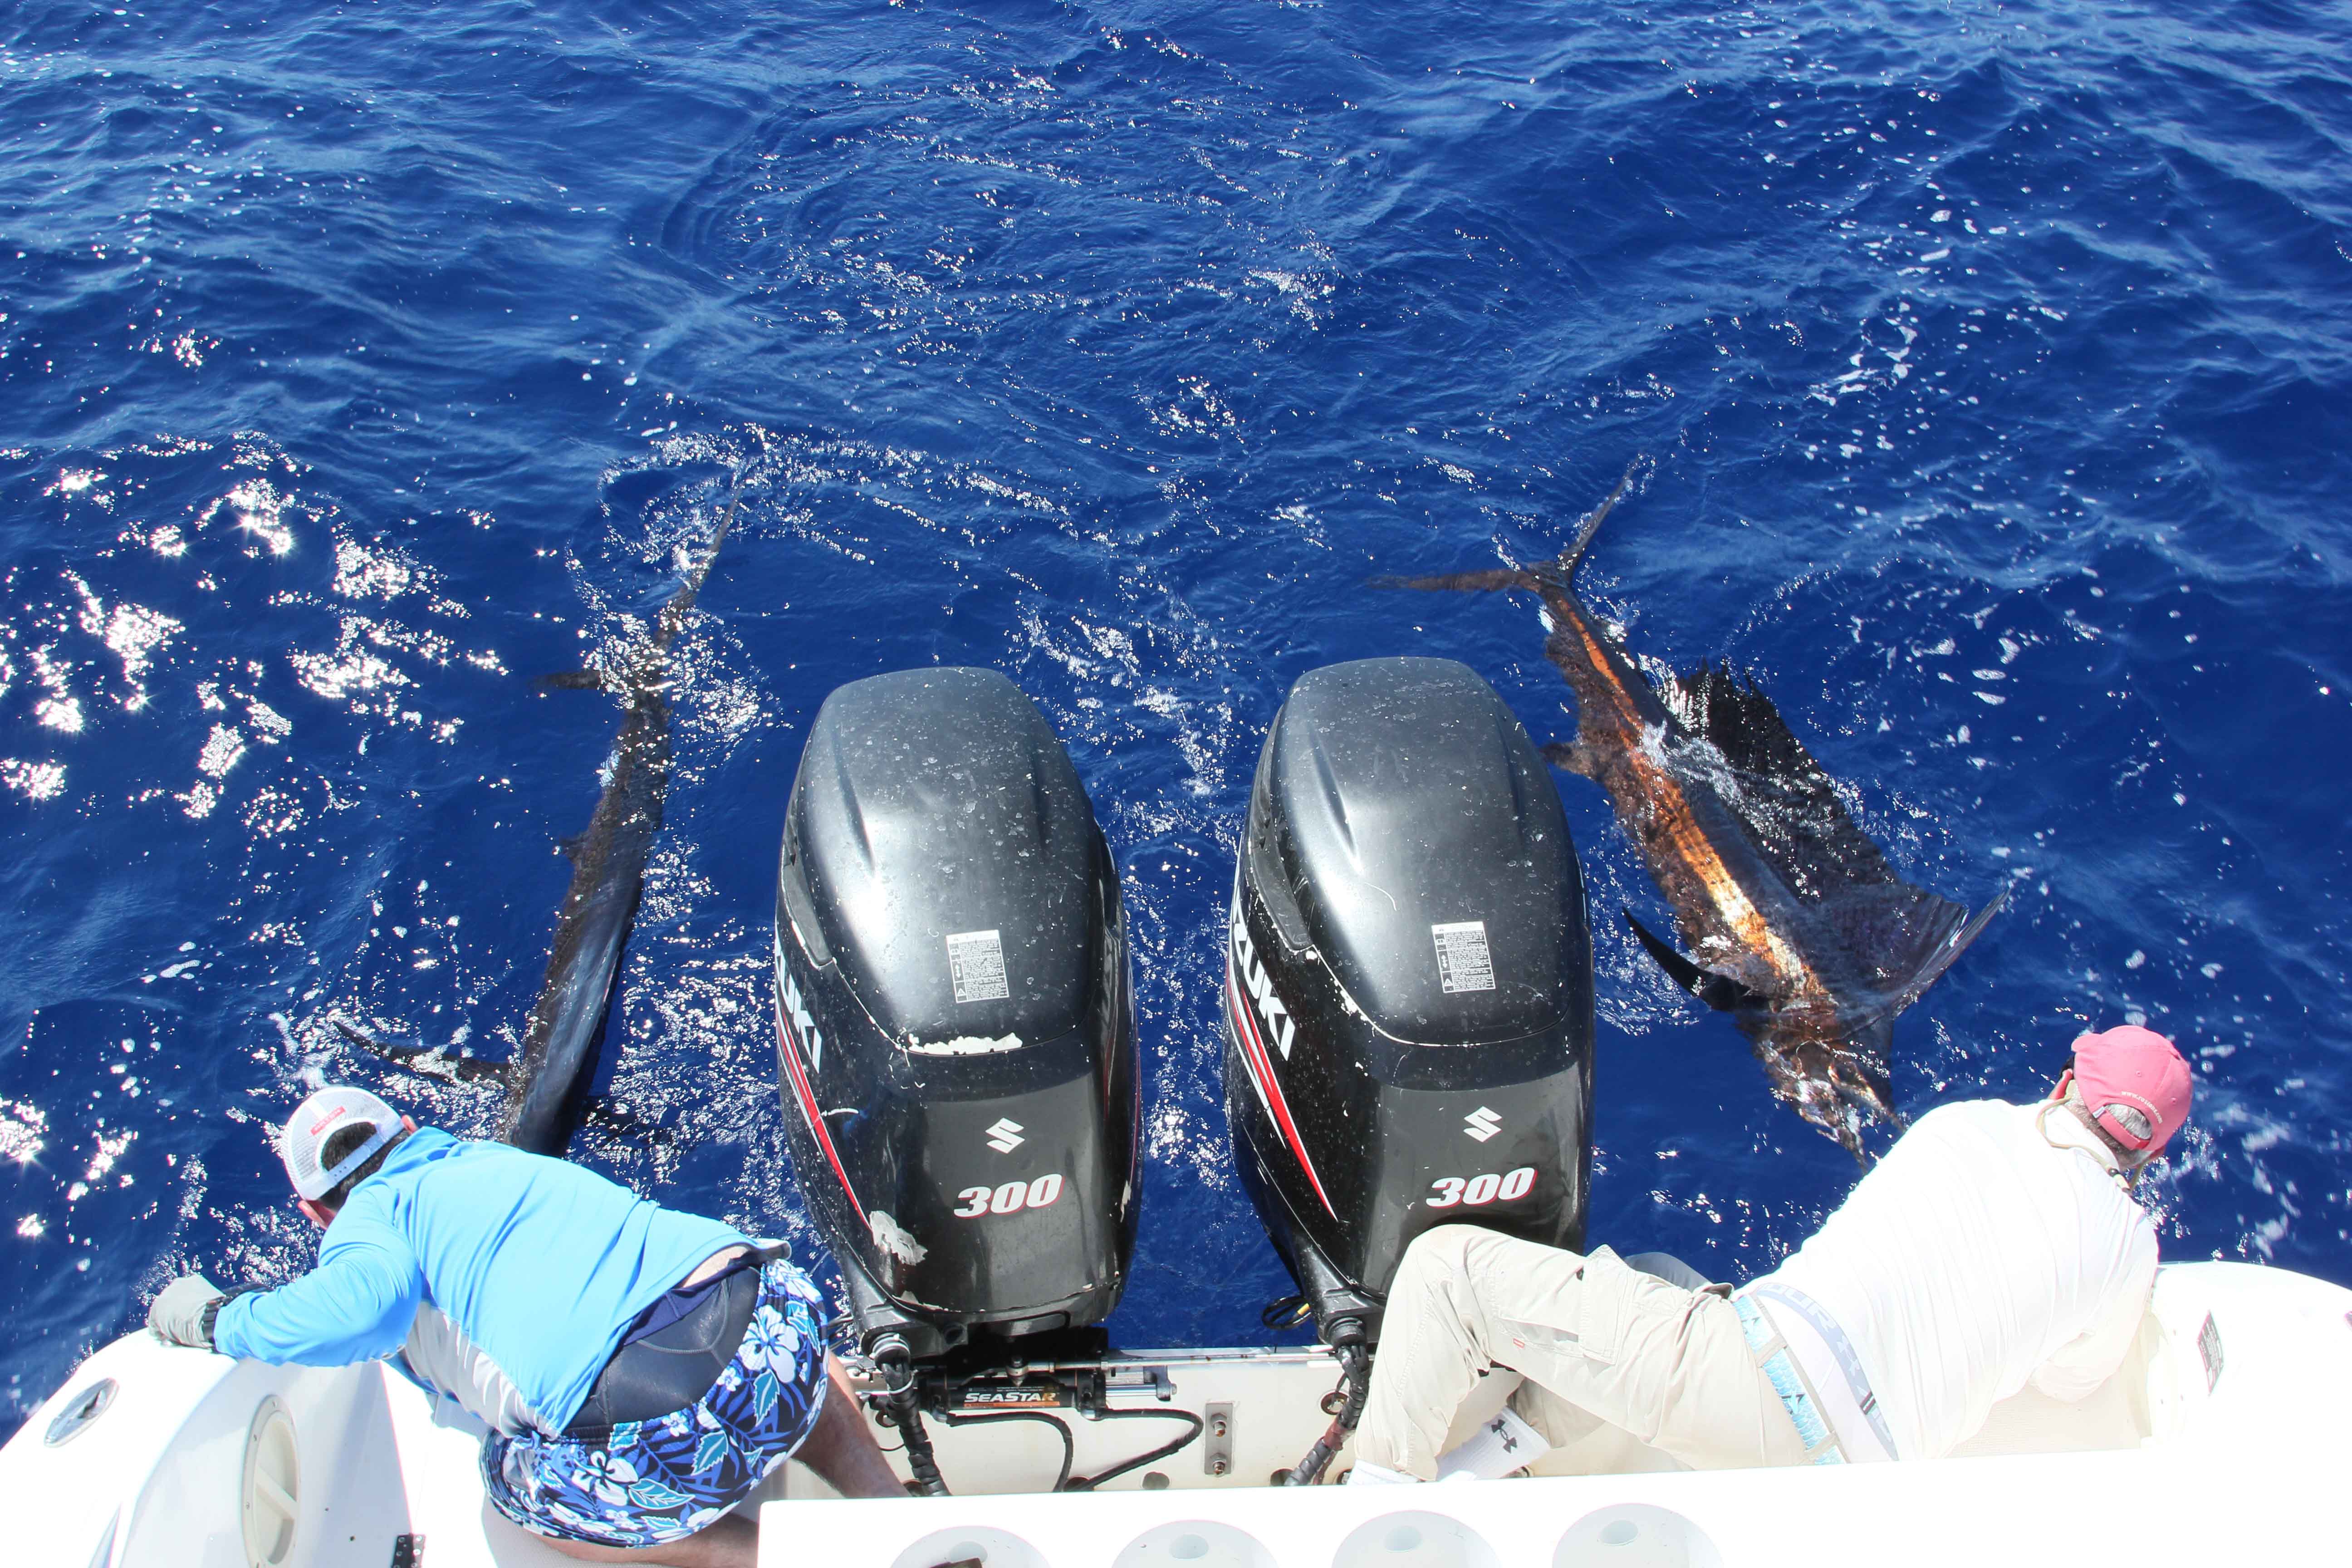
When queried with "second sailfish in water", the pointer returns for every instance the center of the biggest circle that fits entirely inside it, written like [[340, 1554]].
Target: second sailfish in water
[[1798, 926]]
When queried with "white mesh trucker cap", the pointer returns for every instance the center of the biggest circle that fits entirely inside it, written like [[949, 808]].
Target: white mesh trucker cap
[[316, 1119]]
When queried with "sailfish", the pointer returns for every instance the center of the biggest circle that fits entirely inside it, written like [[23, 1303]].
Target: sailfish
[[1795, 923], [547, 1081]]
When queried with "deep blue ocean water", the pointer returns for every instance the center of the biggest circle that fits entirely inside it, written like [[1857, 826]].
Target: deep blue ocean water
[[361, 362]]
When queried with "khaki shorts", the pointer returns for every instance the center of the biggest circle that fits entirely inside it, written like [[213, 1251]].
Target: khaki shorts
[[1594, 1339]]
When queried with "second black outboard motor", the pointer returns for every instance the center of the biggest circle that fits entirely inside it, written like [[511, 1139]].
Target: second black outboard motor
[[1408, 1012], [955, 1031]]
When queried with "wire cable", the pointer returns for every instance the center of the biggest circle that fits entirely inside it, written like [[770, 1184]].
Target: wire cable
[[1061, 1429], [1356, 1367], [1285, 1312], [1088, 1483]]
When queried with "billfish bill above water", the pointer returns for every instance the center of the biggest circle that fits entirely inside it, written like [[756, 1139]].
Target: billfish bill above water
[[1792, 920], [548, 1080]]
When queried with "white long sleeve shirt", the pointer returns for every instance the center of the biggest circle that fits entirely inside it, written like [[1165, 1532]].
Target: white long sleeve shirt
[[1994, 1245]]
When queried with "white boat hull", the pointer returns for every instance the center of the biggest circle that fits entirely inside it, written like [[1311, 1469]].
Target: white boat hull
[[2228, 1441]]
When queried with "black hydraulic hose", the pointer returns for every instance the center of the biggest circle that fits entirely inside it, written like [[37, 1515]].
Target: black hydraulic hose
[[900, 1403], [1356, 1367], [1088, 1483], [909, 1417], [1061, 1429]]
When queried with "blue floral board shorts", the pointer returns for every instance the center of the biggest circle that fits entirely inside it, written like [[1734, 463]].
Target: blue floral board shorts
[[652, 1482]]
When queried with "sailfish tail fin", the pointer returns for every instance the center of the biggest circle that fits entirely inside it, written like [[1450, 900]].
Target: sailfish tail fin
[[1561, 570], [1502, 578], [1494, 580]]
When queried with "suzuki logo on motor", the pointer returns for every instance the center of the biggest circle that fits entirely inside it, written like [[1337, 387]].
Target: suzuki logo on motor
[[1260, 985], [1005, 1136], [1481, 1124], [790, 995]]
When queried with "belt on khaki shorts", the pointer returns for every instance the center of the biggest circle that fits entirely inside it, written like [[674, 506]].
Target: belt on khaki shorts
[[1789, 1298], [1788, 1378], [1787, 1381]]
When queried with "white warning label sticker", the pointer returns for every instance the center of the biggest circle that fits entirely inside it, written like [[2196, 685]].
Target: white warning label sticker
[[976, 963], [1462, 961]]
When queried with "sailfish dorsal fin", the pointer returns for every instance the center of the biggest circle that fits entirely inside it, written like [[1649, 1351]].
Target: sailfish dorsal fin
[[1792, 809]]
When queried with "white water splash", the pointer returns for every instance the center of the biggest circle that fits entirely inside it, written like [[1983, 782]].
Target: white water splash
[[260, 508], [22, 1127], [224, 748], [34, 781]]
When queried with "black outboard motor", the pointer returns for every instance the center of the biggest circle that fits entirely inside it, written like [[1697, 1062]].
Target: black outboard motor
[[1408, 984], [955, 1030]]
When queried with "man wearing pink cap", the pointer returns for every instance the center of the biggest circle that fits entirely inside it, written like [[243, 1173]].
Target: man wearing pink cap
[[1995, 1245]]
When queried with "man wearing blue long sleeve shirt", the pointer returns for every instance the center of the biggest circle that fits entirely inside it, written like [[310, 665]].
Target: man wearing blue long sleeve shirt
[[640, 1370]]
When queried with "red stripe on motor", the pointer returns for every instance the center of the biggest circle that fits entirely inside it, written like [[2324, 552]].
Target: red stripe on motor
[[1269, 1089], [801, 1092]]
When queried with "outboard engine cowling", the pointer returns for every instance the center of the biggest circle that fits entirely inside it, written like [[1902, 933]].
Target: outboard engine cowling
[[1408, 1012], [955, 1030]]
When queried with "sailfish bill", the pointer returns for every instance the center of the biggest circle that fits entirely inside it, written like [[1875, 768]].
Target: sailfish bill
[[1794, 922], [546, 1082]]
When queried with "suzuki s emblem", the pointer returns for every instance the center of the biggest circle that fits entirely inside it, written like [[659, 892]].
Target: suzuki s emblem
[[1481, 1124], [1005, 1136]]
